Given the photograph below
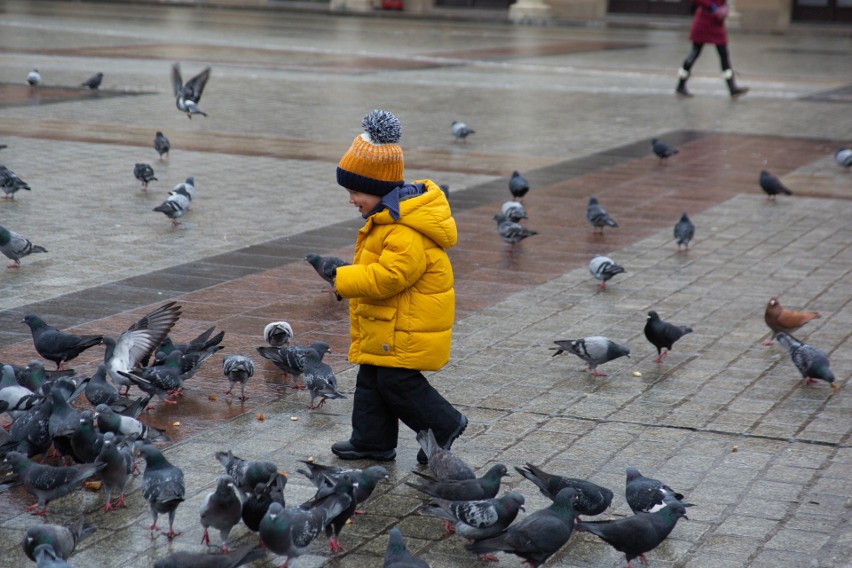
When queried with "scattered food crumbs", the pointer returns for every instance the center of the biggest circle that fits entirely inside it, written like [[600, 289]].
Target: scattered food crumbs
[[294, 418], [310, 459], [175, 423], [93, 485], [637, 374], [212, 397], [260, 416], [734, 449]]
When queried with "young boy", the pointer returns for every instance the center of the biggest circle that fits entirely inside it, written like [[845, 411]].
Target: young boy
[[401, 297]]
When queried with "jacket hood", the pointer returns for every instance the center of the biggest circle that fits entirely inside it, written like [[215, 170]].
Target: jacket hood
[[428, 214]]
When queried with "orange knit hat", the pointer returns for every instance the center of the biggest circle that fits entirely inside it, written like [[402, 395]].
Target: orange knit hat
[[373, 164]]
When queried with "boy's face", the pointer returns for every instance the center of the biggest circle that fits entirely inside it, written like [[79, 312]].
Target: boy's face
[[363, 201]]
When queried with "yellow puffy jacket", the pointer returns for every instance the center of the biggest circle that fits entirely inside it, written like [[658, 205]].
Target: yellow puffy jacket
[[400, 285]]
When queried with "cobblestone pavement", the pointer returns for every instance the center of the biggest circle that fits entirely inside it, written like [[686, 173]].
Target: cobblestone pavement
[[723, 420]]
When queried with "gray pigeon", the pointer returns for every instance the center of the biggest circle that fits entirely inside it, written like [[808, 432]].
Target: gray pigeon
[[162, 145], [46, 557], [326, 267], [188, 95], [811, 362], [238, 369], [539, 535], [34, 78], [366, 479], [161, 380], [110, 421], [598, 216], [98, 390], [477, 520], [290, 531], [398, 556], [201, 345], [594, 350], [592, 499], [222, 510], [186, 189], [843, 157], [646, 495], [174, 207], [278, 333], [485, 487], [518, 186], [55, 345], [16, 247], [772, 186], [257, 504], [444, 464], [339, 492], [511, 233], [16, 398], [293, 358], [460, 131], [93, 82], [239, 557], [144, 173], [162, 486], [684, 231], [513, 211], [63, 423], [246, 473], [47, 482], [118, 465], [10, 183], [641, 533], [603, 268], [319, 379], [663, 334], [662, 150], [63, 539]]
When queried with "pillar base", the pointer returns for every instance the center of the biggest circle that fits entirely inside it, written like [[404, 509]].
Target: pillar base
[[351, 6], [530, 12]]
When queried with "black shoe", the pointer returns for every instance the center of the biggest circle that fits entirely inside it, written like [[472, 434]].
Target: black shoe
[[683, 92], [421, 455], [346, 451]]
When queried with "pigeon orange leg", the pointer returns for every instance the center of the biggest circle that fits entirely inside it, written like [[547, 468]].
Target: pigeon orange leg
[[120, 501], [205, 538], [334, 545], [171, 534]]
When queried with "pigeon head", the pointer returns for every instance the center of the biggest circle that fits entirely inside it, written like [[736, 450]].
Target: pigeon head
[[593, 201], [33, 321], [632, 473], [773, 301], [675, 506], [652, 315]]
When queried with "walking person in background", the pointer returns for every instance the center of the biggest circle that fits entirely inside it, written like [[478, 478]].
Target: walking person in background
[[708, 26]]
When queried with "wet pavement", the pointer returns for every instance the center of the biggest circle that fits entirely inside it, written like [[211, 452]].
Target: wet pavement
[[723, 420]]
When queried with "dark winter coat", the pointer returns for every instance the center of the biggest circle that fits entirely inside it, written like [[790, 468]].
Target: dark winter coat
[[708, 24]]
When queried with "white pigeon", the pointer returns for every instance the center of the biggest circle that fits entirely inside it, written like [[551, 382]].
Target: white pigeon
[[844, 157], [34, 77], [513, 211], [278, 333], [461, 131], [603, 268]]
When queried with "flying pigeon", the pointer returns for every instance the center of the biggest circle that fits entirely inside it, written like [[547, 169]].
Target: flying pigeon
[[10, 183], [772, 185], [662, 150], [239, 557], [174, 207], [843, 157], [591, 499], [684, 231], [278, 333], [641, 533], [811, 362], [539, 535], [145, 174], [46, 557], [598, 216], [118, 465], [202, 346], [485, 487], [780, 319], [444, 464], [257, 504], [187, 96], [47, 482], [33, 77], [292, 358], [603, 268], [518, 186], [55, 345], [16, 247], [290, 531], [645, 494], [511, 233], [162, 145], [477, 520], [365, 480], [461, 131], [221, 510], [162, 486], [93, 82], [238, 369], [326, 267], [595, 350], [63, 539], [663, 334], [513, 211], [319, 379], [247, 473], [398, 556]]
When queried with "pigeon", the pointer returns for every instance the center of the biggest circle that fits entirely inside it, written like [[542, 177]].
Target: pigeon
[[16, 247], [290, 531], [518, 186], [246, 473], [257, 504], [238, 369], [239, 557], [598, 216], [162, 487], [595, 350], [663, 334], [444, 464], [843, 157], [187, 96], [222, 510], [164, 380], [29, 432], [513, 211], [202, 344], [591, 500], [174, 207], [98, 390], [46, 557], [811, 362], [10, 183], [278, 333], [398, 556], [366, 479], [772, 186], [33, 77], [17, 399], [293, 358], [684, 231], [63, 539], [780, 319], [338, 493], [47, 482], [145, 174], [603, 268], [326, 267], [641, 533], [93, 82], [461, 131], [162, 145], [138, 342], [185, 189], [646, 495], [110, 421], [477, 520], [63, 423], [319, 380], [86, 443], [662, 150], [511, 233], [118, 465], [485, 487], [539, 535], [55, 345]]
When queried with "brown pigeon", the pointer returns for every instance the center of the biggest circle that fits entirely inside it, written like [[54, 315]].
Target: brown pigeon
[[780, 319]]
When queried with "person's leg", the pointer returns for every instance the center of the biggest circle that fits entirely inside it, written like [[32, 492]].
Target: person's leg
[[683, 72], [728, 72], [374, 425]]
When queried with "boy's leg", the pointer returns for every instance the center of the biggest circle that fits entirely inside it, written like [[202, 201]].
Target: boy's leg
[[374, 425]]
